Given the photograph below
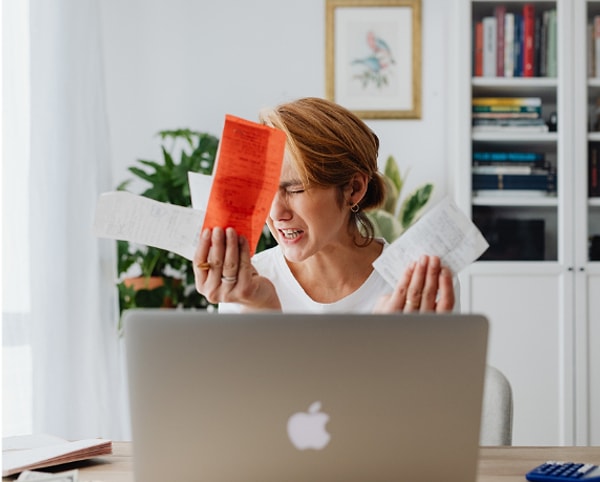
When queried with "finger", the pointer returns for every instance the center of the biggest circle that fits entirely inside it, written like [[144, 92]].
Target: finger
[[430, 288], [246, 269], [229, 274], [446, 298], [396, 301], [201, 260], [415, 288], [201, 253], [215, 256]]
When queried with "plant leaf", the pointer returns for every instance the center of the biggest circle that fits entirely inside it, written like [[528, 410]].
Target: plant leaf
[[413, 204], [386, 225], [393, 173]]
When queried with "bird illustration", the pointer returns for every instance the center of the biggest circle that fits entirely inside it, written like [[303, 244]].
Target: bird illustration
[[376, 62], [379, 46]]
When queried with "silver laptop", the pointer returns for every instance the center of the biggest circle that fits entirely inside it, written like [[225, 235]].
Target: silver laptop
[[282, 397]]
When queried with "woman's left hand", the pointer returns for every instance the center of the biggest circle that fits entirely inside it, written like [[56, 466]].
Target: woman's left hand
[[426, 286]]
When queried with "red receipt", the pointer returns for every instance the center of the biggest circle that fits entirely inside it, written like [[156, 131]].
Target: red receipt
[[246, 178]]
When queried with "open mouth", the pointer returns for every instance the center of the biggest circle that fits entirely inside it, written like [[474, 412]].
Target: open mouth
[[290, 233]]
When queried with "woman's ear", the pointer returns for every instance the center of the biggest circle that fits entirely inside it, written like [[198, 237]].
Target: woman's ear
[[358, 187]]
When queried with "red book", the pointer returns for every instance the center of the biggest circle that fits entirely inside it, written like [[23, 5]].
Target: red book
[[478, 58], [528, 40], [499, 13]]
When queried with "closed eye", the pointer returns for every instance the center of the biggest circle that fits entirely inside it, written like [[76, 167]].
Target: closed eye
[[290, 188]]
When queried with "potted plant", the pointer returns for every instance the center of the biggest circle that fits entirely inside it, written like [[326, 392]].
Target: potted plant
[[150, 277], [396, 216]]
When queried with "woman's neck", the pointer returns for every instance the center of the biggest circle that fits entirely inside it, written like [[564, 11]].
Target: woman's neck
[[332, 274]]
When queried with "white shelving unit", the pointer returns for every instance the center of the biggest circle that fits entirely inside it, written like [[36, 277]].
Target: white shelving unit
[[544, 313]]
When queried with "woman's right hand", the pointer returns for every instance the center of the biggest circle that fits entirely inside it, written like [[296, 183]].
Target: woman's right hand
[[426, 286], [224, 273]]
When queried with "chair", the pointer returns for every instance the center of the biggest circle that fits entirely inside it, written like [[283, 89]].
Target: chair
[[497, 411]]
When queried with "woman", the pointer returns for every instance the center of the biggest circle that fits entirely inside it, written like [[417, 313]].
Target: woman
[[326, 247]]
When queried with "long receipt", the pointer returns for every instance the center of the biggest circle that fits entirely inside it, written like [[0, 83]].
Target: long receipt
[[444, 231], [129, 217]]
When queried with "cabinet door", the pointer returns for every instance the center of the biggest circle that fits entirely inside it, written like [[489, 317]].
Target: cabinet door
[[528, 343], [593, 350]]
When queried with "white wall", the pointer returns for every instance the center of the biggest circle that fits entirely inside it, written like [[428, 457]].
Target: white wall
[[187, 63]]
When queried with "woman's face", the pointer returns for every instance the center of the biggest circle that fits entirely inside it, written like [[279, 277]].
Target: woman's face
[[305, 221]]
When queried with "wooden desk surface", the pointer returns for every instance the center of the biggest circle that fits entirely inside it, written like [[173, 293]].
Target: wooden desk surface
[[496, 464]]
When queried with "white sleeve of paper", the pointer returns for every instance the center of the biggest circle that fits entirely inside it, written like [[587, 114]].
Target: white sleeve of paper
[[129, 217], [444, 231]]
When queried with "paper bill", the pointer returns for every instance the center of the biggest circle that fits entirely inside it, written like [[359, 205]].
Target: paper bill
[[68, 476], [444, 231], [129, 217]]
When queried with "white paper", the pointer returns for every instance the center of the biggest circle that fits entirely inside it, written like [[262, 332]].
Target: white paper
[[129, 217], [68, 476], [200, 185], [444, 231]]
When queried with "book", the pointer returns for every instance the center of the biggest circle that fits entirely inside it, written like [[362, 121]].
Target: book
[[29, 452], [505, 169], [489, 46], [500, 193], [591, 50], [493, 156], [510, 125], [509, 121], [509, 44], [506, 115], [507, 101], [510, 129], [478, 51], [544, 44], [518, 46], [499, 13], [528, 39], [596, 45], [537, 46], [545, 181], [501, 109]]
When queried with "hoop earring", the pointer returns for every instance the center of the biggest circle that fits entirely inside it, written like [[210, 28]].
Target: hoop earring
[[355, 208]]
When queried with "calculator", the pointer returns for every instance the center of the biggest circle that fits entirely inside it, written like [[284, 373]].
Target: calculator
[[553, 471]]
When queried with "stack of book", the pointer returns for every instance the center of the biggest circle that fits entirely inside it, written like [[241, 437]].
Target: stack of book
[[513, 173], [515, 41], [508, 114]]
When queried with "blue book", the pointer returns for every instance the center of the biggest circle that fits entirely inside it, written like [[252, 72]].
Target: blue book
[[508, 156], [518, 50]]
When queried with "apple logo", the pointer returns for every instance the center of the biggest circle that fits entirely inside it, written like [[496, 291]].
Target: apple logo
[[306, 430]]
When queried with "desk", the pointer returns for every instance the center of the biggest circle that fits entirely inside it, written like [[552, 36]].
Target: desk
[[496, 464]]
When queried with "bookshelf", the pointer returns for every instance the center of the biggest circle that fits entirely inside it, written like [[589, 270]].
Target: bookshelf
[[540, 282]]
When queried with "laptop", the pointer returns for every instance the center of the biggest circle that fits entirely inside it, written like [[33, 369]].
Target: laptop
[[297, 397]]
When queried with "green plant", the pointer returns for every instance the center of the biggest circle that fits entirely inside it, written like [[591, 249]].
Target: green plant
[[168, 182], [396, 215]]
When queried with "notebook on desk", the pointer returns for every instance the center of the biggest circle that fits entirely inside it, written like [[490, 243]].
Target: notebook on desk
[[274, 397]]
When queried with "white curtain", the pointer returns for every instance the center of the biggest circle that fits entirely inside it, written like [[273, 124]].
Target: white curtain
[[78, 379]]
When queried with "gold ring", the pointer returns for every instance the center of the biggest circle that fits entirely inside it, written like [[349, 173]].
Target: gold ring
[[204, 266]]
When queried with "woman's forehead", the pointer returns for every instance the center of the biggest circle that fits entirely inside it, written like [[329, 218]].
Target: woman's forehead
[[288, 169]]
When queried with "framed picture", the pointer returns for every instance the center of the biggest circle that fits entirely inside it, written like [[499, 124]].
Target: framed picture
[[373, 57]]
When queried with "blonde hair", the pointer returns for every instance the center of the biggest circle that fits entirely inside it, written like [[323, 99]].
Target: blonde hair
[[329, 145]]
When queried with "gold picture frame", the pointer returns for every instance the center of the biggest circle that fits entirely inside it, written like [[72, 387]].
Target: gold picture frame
[[373, 57]]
